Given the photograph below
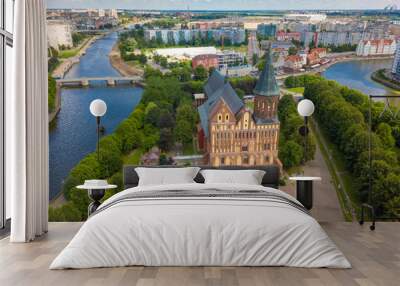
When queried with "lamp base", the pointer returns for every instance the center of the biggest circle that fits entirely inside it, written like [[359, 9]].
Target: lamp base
[[95, 196]]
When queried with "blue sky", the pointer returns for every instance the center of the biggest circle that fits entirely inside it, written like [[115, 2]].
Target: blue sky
[[223, 4]]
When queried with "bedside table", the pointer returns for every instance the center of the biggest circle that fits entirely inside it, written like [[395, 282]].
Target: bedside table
[[96, 190], [304, 190]]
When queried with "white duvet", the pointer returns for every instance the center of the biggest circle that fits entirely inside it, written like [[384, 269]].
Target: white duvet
[[200, 232]]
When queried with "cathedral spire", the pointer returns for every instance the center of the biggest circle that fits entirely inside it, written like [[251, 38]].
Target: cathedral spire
[[267, 84]]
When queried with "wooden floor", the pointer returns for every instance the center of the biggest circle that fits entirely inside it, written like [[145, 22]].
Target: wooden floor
[[375, 257]]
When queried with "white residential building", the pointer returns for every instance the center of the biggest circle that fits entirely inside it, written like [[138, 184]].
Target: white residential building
[[235, 35], [239, 71], [229, 59], [293, 63], [113, 13], [396, 62], [59, 33], [101, 13], [376, 47], [185, 53]]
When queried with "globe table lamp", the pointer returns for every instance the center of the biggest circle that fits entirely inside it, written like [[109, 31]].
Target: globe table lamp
[[98, 108]]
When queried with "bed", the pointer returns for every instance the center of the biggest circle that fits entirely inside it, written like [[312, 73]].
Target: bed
[[201, 224]]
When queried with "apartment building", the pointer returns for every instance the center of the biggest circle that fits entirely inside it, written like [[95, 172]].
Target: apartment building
[[266, 30], [376, 47], [288, 36], [59, 34], [396, 62], [293, 63], [229, 59], [206, 60], [175, 36]]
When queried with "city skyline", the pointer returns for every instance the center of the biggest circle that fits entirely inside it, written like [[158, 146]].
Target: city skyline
[[223, 4]]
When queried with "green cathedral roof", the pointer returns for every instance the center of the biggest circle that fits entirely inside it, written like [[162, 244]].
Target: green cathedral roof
[[267, 84]]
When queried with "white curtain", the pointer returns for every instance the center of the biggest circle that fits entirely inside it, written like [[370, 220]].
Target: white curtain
[[27, 124]]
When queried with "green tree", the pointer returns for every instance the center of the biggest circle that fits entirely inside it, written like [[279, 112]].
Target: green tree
[[291, 154], [200, 73], [165, 120], [152, 114], [183, 131], [52, 93], [166, 139], [384, 131], [292, 51]]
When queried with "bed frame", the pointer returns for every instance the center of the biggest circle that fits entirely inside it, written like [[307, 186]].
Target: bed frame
[[270, 179]]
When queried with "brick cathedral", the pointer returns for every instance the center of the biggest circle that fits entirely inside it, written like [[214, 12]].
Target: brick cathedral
[[232, 134]]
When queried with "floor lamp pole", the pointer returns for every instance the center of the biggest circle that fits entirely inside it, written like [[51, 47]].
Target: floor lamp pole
[[305, 138], [98, 137]]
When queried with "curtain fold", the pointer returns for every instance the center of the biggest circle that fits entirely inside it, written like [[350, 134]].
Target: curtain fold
[[27, 124]]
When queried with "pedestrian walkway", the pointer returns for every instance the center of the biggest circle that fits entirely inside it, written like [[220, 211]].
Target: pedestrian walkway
[[326, 204]]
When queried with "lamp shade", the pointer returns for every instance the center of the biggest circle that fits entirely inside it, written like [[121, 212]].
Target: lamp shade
[[98, 107], [305, 107]]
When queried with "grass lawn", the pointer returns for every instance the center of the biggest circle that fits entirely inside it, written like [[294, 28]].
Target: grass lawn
[[64, 54], [68, 53], [241, 49], [297, 89], [133, 158]]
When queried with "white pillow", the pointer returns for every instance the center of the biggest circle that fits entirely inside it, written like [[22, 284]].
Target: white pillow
[[247, 177], [166, 176]]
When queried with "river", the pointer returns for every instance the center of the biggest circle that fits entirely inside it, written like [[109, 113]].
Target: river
[[357, 75], [72, 134]]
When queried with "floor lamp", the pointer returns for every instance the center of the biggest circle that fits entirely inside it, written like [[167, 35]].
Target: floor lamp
[[305, 108], [304, 184]]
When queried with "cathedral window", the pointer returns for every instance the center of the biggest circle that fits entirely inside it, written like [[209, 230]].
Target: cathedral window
[[219, 118], [226, 117], [245, 148], [245, 160]]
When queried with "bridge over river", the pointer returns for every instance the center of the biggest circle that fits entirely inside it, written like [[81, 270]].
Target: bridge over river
[[110, 81]]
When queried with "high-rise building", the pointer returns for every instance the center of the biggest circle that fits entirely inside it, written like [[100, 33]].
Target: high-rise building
[[232, 134], [266, 30], [396, 63]]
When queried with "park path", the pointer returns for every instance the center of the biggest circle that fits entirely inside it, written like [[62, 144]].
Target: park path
[[326, 204]]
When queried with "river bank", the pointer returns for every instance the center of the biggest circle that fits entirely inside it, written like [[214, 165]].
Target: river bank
[[121, 66], [67, 63], [334, 61], [381, 76], [357, 75], [57, 104]]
